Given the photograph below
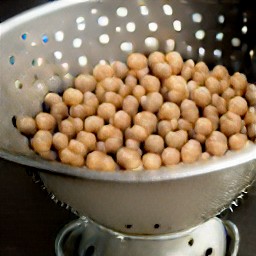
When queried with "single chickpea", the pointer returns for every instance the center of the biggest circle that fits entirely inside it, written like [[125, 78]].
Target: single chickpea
[[184, 125], [239, 82], [203, 126], [224, 84], [250, 94], [201, 67], [77, 160], [131, 81], [88, 139], [137, 61], [251, 131], [102, 71], [26, 125], [100, 146], [130, 105], [109, 131], [141, 72], [120, 69], [59, 111], [188, 69], [237, 141], [81, 111], [93, 124], [191, 151], [49, 155], [189, 110], [169, 111], [170, 156], [113, 98], [216, 144], [199, 137], [154, 144], [100, 92], [112, 145], [72, 97], [125, 90], [138, 91], [205, 156], [164, 126], [136, 132], [52, 98], [77, 147], [128, 158], [45, 121], [155, 58], [150, 83], [199, 77], [106, 111], [133, 144], [67, 127], [176, 139], [250, 117], [152, 101], [147, 120], [121, 120], [100, 161], [238, 105], [42, 141], [66, 155], [220, 72], [212, 114], [111, 84], [219, 103], [213, 85], [78, 123], [60, 141], [201, 96], [230, 123], [228, 94], [162, 70], [90, 99], [151, 161], [85, 83], [175, 60]]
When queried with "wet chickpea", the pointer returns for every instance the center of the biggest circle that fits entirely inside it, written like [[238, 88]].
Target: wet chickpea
[[220, 72], [120, 69], [136, 132], [113, 144], [184, 125], [150, 83], [93, 124], [102, 71], [189, 110], [88, 139], [67, 127], [121, 120], [238, 105], [113, 98], [175, 60], [164, 126], [137, 61], [45, 121], [91, 100], [162, 70], [72, 97], [230, 123], [213, 85], [237, 141], [128, 158], [250, 117], [212, 114], [85, 83], [239, 82], [219, 103], [201, 96], [130, 105], [155, 58], [26, 125], [109, 131], [170, 156], [60, 141], [169, 111], [228, 94], [106, 111], [42, 141], [251, 131], [52, 98], [151, 161], [59, 111], [154, 144], [176, 139], [250, 94], [147, 120], [191, 151], [77, 147], [111, 84], [152, 101], [138, 91], [100, 161], [216, 144], [203, 126]]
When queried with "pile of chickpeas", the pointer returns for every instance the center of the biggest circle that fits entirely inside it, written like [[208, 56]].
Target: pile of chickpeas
[[149, 112]]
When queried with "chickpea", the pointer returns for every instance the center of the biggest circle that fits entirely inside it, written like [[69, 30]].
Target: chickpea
[[175, 60], [136, 132], [26, 125], [128, 158], [228, 94], [102, 71], [162, 70], [77, 147], [100, 92], [192, 86], [154, 144], [199, 77], [78, 123], [150, 83], [147, 120], [130, 105], [203, 126], [239, 82], [213, 85], [72, 97], [212, 114], [205, 156], [237, 141], [216, 144], [230, 123], [77, 160], [141, 72], [199, 137], [52, 98], [81, 111], [67, 127], [120, 69], [184, 125], [109, 131], [93, 124], [113, 144], [201, 96], [250, 117], [151, 161], [125, 90], [201, 67], [251, 131], [169, 111], [59, 111], [121, 120], [131, 81], [85, 83], [176, 139], [191, 151], [113, 98], [66, 155], [238, 105], [42, 141], [45, 121], [138, 91], [111, 84], [100, 146], [91, 100], [106, 111], [170, 156], [100, 161], [164, 126], [155, 58], [88, 139], [188, 69], [49, 155], [219, 103], [60, 140], [189, 110], [220, 72], [250, 94], [133, 144], [137, 61], [224, 84], [152, 101]]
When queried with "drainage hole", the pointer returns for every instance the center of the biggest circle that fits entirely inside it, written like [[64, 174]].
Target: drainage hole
[[89, 251], [208, 252], [191, 242], [14, 121], [156, 226], [129, 226]]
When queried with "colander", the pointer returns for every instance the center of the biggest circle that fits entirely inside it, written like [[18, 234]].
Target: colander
[[44, 48]]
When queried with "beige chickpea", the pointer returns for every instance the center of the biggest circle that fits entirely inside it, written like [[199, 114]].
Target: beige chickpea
[[170, 156], [78, 123], [131, 81], [189, 110], [81, 111], [66, 155], [176, 139], [220, 72], [191, 151], [128, 158], [59, 111], [155, 58], [154, 144], [125, 90], [100, 92], [201, 67], [213, 85], [113, 144], [199, 77], [77, 147], [100, 161], [228, 94], [60, 141], [85, 83], [205, 156], [162, 70], [121, 120], [77, 160], [67, 127], [90, 99], [141, 72], [152, 101], [93, 124], [224, 84], [130, 105], [216, 144], [188, 69], [164, 126], [169, 111], [133, 144], [137, 61], [219, 103], [49, 155], [250, 117], [147, 120], [175, 60], [251, 131], [45, 121], [113, 98], [184, 124], [109, 131], [120, 69], [102, 71], [136, 132], [239, 82], [88, 139], [42, 141], [151, 161], [212, 114], [250, 94], [150, 83], [203, 126], [72, 97], [201, 96], [238, 105], [52, 98], [199, 137], [100, 146], [111, 84], [230, 123], [138, 91], [106, 111], [237, 141], [26, 125]]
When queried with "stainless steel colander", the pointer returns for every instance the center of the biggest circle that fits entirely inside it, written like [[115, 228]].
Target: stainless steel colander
[[44, 48]]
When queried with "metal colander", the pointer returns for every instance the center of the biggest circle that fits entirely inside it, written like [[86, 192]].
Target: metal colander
[[44, 48]]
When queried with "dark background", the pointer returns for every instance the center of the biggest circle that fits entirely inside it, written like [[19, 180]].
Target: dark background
[[30, 220]]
